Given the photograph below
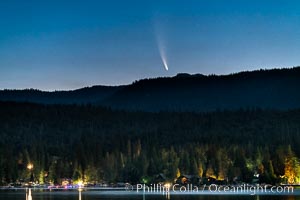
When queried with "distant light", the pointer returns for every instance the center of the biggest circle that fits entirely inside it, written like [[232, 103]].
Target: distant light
[[167, 185], [30, 166], [80, 184]]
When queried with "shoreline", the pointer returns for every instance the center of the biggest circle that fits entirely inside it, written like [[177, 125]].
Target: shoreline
[[123, 191]]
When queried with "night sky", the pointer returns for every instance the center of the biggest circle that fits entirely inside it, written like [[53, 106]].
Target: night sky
[[60, 45]]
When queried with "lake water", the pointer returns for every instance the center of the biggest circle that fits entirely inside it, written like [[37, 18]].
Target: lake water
[[35, 194]]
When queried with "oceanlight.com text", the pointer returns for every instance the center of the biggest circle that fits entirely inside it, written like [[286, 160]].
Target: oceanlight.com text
[[213, 189]]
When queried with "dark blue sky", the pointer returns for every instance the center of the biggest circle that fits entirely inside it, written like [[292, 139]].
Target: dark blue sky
[[58, 44]]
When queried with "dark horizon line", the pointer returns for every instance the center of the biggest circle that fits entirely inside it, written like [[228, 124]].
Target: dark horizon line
[[152, 78]]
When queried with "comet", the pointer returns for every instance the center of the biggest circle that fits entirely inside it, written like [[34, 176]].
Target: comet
[[162, 54], [161, 46]]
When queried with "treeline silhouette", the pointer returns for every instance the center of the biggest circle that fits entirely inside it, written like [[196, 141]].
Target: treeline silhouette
[[267, 89], [97, 144]]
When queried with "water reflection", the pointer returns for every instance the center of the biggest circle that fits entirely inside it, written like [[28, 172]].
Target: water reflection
[[79, 193], [121, 195], [28, 194], [168, 195], [291, 198]]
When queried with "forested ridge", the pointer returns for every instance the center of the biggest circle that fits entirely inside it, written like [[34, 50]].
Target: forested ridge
[[268, 89], [97, 144]]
